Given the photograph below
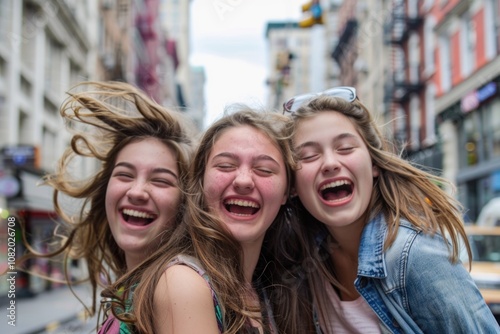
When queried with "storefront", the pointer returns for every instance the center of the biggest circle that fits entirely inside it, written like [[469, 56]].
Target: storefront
[[477, 121], [25, 200]]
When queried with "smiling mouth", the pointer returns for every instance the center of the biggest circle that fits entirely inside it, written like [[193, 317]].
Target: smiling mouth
[[139, 218], [241, 207], [336, 191]]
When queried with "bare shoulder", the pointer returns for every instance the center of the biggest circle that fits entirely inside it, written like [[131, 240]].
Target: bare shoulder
[[183, 302], [183, 281]]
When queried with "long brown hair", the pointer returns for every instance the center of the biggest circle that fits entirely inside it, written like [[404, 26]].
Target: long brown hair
[[205, 237], [103, 118], [401, 191]]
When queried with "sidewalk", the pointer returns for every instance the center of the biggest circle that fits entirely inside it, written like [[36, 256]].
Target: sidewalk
[[46, 311]]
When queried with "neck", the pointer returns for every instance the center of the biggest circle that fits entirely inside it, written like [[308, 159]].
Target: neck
[[132, 262], [347, 240], [251, 253]]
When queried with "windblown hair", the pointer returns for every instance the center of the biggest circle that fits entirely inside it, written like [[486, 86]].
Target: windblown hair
[[104, 117], [400, 191], [203, 236]]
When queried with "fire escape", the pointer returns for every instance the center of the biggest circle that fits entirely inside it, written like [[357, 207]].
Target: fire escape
[[404, 78], [345, 52]]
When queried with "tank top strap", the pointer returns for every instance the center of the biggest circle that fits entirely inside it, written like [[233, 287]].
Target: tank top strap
[[193, 263]]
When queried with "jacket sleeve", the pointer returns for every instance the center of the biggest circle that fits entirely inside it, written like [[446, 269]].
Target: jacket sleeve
[[441, 296]]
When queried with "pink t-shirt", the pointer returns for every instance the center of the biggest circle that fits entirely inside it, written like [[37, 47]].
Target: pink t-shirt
[[350, 317]]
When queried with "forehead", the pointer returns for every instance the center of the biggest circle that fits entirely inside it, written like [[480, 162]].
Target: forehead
[[247, 138], [333, 121], [148, 150]]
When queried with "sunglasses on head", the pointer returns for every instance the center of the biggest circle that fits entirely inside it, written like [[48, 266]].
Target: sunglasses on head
[[344, 92]]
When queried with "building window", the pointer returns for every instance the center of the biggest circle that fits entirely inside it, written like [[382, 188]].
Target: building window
[[468, 44], [5, 21], [429, 41], [49, 143], [446, 64], [494, 123], [492, 11], [53, 60], [471, 140]]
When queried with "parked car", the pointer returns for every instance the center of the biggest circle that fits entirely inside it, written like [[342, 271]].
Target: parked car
[[485, 265], [490, 213]]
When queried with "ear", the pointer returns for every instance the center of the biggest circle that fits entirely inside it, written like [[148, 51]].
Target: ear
[[375, 171], [292, 194]]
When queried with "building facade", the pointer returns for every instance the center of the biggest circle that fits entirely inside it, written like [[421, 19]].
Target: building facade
[[467, 75], [44, 50]]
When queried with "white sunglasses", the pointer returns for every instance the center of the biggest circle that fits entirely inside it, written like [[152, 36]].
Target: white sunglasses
[[344, 92]]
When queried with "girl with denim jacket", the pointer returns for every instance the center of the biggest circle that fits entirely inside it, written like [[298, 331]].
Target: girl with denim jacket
[[384, 237]]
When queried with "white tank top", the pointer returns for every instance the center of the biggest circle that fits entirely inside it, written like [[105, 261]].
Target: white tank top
[[350, 317]]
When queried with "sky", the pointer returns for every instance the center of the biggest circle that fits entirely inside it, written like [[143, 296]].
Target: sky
[[228, 40]]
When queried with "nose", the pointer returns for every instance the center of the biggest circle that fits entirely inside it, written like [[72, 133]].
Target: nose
[[330, 163], [138, 191], [244, 180]]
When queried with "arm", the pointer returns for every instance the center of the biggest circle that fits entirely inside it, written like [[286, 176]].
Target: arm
[[442, 296], [183, 303]]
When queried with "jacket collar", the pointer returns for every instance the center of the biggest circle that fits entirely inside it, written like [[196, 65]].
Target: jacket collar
[[371, 259]]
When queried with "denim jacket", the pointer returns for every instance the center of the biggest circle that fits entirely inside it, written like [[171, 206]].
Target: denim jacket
[[414, 288]]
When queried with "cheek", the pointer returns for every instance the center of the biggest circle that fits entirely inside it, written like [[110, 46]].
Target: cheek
[[214, 184], [112, 194], [274, 188], [170, 200], [304, 177]]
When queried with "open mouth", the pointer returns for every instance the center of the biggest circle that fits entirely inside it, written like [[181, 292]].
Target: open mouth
[[336, 191], [137, 217], [241, 207]]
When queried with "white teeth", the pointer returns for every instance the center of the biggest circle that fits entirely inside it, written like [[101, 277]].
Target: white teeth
[[138, 214], [242, 203], [334, 184]]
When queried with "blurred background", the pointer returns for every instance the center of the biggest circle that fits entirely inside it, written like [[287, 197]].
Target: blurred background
[[428, 69]]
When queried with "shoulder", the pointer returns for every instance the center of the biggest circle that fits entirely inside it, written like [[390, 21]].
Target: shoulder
[[419, 256], [183, 282], [184, 302]]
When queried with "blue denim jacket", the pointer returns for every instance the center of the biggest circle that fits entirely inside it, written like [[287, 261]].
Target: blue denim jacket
[[414, 288]]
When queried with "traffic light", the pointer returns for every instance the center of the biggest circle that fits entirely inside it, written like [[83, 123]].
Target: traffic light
[[314, 14]]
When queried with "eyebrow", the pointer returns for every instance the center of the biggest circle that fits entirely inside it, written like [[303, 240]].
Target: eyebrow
[[155, 170], [341, 136], [235, 157]]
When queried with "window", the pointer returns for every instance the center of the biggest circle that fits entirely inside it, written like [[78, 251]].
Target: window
[[48, 148], [53, 60], [492, 28], [5, 21], [495, 129], [470, 141], [468, 44], [429, 40], [445, 60]]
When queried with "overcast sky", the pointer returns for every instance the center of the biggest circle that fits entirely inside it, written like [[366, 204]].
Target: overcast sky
[[228, 40]]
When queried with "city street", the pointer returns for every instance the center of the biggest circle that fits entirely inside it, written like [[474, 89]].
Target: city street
[[56, 311]]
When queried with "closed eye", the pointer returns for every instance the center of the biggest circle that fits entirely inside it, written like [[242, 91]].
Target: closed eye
[[346, 149], [164, 182], [264, 171], [225, 166], [123, 175], [308, 157]]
